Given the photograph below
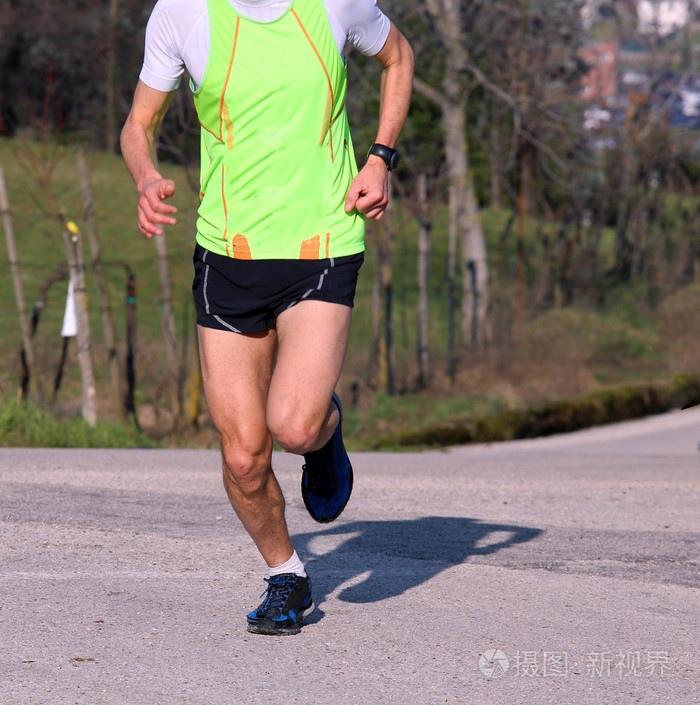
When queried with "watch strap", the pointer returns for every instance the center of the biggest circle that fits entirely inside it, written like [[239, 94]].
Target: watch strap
[[389, 155]]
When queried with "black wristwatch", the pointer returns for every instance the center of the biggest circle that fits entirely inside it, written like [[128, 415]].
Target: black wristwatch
[[389, 155]]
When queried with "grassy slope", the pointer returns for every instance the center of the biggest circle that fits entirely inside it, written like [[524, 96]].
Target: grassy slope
[[563, 352], [40, 250]]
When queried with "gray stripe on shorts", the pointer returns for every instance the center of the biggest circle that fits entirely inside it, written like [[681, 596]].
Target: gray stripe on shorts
[[206, 281], [323, 275], [228, 325], [206, 298], [310, 291]]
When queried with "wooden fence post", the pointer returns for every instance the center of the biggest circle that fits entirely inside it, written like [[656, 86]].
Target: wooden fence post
[[74, 252], [129, 399], [19, 293]]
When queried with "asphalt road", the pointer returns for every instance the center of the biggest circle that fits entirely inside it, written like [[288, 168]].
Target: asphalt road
[[561, 570]]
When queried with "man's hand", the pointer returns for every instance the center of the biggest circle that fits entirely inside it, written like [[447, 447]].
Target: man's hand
[[137, 139], [369, 190], [153, 210]]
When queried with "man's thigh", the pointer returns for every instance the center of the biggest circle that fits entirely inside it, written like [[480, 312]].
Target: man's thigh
[[236, 371], [312, 341]]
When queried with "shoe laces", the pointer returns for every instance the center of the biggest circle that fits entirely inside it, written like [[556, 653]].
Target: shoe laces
[[278, 591]]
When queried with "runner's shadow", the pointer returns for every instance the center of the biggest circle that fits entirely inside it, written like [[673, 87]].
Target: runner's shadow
[[425, 547]]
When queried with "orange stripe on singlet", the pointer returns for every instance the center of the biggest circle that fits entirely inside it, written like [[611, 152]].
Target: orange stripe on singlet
[[325, 70], [228, 75], [223, 196], [210, 131]]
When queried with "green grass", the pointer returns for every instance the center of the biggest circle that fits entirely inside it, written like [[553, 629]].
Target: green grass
[[23, 424], [414, 411]]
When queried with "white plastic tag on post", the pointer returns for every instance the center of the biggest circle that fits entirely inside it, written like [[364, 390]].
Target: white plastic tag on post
[[70, 322]]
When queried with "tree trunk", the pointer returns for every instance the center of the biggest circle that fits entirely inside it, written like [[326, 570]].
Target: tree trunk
[[466, 208], [495, 157], [447, 16], [111, 129], [169, 328], [521, 253], [423, 268], [624, 248], [389, 364], [74, 252], [383, 305], [31, 386], [526, 161], [169, 331], [476, 327], [195, 391], [453, 204], [101, 285], [375, 353], [465, 211]]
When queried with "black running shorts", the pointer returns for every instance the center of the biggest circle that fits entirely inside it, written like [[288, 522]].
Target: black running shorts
[[246, 296]]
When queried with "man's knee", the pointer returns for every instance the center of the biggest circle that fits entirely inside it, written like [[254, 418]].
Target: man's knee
[[248, 469], [296, 432]]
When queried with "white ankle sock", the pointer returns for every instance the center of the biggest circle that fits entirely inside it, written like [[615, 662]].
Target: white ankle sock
[[293, 565]]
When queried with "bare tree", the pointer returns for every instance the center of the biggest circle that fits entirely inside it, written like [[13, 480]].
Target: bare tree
[[448, 22]]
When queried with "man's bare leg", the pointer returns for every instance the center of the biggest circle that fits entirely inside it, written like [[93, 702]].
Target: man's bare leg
[[313, 338], [248, 402], [236, 370]]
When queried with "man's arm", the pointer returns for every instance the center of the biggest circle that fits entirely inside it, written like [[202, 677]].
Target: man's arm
[[137, 141], [369, 191]]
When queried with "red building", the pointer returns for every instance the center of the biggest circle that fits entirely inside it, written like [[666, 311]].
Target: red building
[[600, 83]]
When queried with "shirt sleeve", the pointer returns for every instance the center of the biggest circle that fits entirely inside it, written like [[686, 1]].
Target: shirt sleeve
[[163, 65], [367, 26]]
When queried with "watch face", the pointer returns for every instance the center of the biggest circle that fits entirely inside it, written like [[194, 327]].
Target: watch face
[[394, 160]]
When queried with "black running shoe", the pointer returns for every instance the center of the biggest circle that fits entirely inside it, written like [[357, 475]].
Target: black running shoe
[[326, 483], [287, 602]]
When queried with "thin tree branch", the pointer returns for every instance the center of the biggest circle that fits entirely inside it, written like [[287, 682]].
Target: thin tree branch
[[492, 87], [430, 93]]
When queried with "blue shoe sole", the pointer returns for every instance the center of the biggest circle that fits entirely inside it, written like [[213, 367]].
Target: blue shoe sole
[[269, 627]]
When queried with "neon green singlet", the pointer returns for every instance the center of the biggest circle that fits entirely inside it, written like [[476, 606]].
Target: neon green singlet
[[277, 158]]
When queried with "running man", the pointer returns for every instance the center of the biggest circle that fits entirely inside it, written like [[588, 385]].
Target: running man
[[280, 237]]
